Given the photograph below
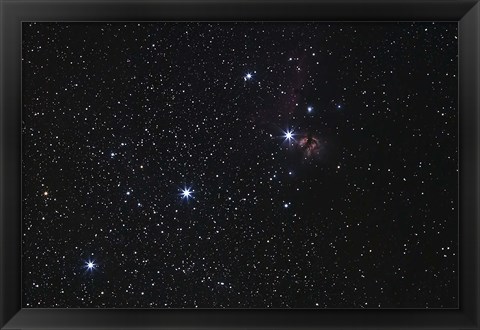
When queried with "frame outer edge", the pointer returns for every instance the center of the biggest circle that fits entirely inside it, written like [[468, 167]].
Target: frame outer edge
[[3, 317], [477, 106], [9, 161], [8, 312], [469, 135]]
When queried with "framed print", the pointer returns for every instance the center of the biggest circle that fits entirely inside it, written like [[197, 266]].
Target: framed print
[[239, 164]]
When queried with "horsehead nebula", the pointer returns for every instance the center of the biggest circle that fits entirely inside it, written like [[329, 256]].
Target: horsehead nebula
[[310, 145]]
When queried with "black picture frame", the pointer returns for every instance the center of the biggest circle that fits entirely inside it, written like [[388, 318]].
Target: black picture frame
[[13, 12]]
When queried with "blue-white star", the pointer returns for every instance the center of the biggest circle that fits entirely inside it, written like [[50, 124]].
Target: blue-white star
[[186, 193], [309, 109], [90, 265], [248, 76], [288, 135]]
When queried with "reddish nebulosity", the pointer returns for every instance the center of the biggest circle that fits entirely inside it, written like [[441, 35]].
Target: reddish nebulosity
[[292, 86], [310, 145], [297, 80]]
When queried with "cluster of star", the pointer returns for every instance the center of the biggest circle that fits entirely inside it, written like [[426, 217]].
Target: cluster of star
[[239, 165]]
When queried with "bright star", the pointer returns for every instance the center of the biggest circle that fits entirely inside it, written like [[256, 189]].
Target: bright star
[[288, 135], [90, 265], [248, 76], [310, 109], [186, 193]]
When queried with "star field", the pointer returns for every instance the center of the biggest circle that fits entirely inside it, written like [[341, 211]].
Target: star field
[[240, 165]]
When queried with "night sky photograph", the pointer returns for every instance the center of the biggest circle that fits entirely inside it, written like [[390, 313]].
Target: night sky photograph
[[240, 165]]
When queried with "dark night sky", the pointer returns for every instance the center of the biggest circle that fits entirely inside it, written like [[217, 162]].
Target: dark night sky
[[285, 165]]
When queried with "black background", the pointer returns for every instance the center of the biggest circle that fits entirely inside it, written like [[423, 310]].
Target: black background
[[373, 224]]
